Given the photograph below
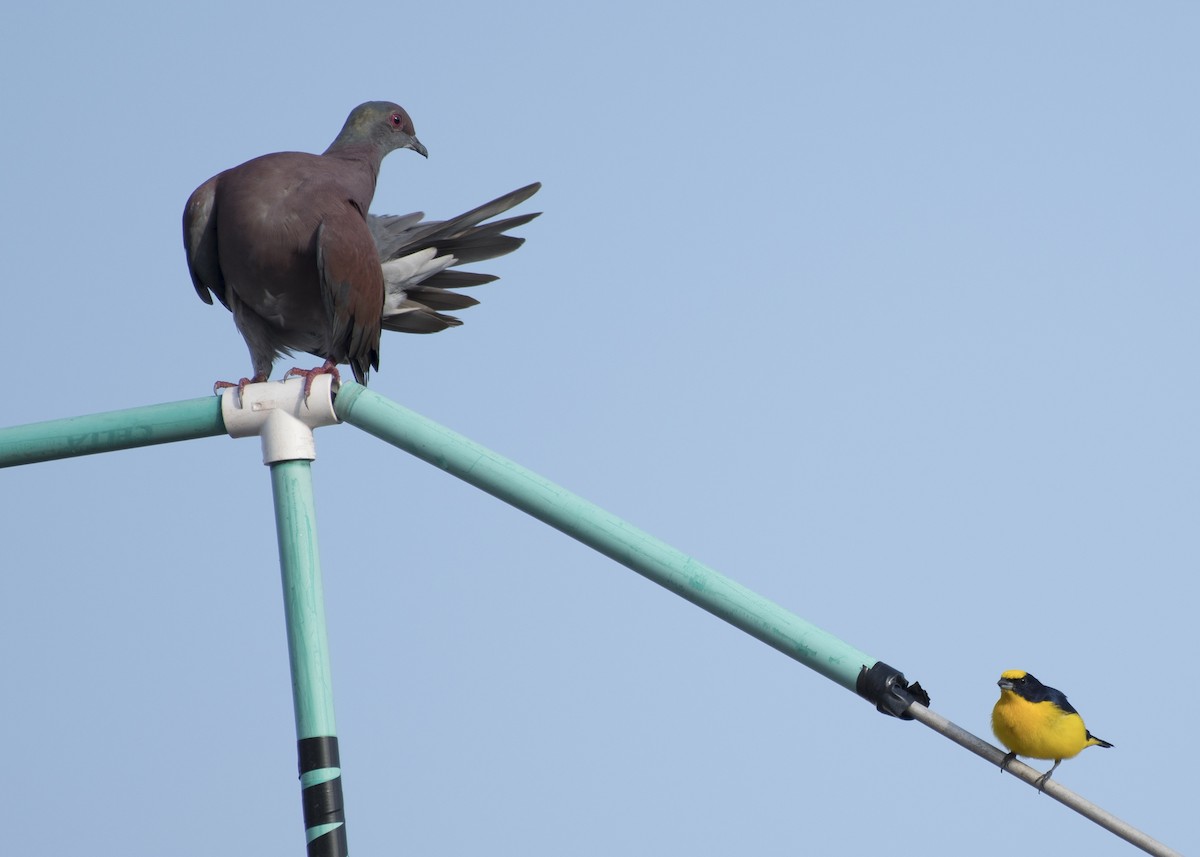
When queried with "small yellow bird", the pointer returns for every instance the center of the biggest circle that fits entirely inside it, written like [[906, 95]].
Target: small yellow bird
[[1033, 720]]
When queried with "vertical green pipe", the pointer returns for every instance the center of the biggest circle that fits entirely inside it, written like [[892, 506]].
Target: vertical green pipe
[[308, 652], [606, 533]]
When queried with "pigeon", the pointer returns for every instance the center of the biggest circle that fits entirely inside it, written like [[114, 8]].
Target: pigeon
[[287, 245]]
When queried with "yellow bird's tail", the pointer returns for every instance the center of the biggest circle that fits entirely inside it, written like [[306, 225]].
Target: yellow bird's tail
[[1093, 741]]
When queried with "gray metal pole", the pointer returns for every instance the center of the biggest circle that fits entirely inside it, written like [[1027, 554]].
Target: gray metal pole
[[1053, 788]]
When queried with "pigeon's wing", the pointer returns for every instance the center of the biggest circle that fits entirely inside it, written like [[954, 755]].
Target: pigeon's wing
[[200, 242], [352, 287]]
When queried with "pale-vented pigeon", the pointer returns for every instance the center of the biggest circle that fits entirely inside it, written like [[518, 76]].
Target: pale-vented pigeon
[[286, 244]]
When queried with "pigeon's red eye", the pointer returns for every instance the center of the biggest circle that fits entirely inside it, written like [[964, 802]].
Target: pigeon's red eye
[[396, 120]]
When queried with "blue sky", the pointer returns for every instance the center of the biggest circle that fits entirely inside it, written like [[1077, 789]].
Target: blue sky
[[887, 312]]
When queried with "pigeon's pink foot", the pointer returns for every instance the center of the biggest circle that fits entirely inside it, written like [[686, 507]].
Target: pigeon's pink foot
[[218, 386], [309, 375]]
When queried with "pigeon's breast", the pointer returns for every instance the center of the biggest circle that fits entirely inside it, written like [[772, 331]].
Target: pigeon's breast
[[266, 226]]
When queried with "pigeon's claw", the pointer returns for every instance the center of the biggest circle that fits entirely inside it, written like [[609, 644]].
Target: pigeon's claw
[[218, 386], [329, 367]]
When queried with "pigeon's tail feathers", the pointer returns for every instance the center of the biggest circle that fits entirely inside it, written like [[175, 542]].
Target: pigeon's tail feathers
[[474, 243], [451, 279], [483, 242], [440, 299], [478, 248], [411, 270], [400, 235], [459, 225], [390, 231], [419, 260], [413, 317], [412, 306], [498, 226], [386, 224]]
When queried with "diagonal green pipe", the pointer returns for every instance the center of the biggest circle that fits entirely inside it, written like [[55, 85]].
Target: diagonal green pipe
[[110, 431], [493, 473], [604, 532]]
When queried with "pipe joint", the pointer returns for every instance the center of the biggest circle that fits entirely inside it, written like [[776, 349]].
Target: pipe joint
[[887, 688], [279, 413]]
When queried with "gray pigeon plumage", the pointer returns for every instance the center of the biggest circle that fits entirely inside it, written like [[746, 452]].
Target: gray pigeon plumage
[[286, 243]]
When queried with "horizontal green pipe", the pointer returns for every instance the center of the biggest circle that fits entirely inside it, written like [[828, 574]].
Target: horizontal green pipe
[[602, 531], [110, 431]]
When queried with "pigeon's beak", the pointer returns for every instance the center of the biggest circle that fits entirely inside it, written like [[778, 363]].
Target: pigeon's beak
[[415, 144]]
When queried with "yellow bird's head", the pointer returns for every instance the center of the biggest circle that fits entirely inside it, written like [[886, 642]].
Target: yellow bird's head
[[1010, 678], [1029, 688]]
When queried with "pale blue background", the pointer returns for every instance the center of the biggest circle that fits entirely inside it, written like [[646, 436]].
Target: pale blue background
[[888, 311]]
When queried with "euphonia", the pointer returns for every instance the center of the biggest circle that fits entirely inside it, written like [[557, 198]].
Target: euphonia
[[1033, 720]]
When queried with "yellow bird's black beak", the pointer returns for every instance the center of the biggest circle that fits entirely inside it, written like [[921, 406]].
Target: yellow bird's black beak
[[1005, 684]]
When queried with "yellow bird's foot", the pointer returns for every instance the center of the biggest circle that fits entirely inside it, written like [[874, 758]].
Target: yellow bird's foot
[[1041, 781], [1007, 760]]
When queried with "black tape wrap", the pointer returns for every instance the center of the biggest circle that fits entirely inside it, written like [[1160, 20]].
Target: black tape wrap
[[323, 801], [885, 686]]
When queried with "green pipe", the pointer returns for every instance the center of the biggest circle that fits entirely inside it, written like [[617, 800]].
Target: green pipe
[[308, 653], [604, 532], [303, 601], [110, 431]]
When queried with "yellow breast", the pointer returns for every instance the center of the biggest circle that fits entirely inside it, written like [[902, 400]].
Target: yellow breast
[[1039, 730]]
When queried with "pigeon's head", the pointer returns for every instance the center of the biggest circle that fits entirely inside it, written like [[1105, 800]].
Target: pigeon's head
[[382, 125]]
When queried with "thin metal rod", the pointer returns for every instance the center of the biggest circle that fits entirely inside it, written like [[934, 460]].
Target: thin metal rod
[[308, 652], [1053, 788], [603, 532], [110, 431]]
